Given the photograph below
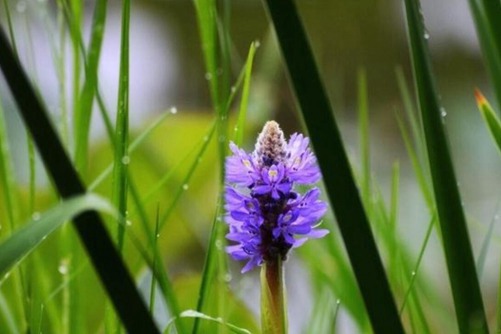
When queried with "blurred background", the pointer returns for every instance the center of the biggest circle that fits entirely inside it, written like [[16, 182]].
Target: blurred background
[[167, 75]]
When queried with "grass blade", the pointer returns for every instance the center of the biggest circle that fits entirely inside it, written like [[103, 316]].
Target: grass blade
[[465, 287], [491, 119], [206, 16], [7, 174], [482, 256], [239, 129], [108, 264], [199, 315], [155, 259], [8, 319], [486, 14], [27, 238], [10, 25], [86, 98], [209, 264], [338, 179], [122, 159]]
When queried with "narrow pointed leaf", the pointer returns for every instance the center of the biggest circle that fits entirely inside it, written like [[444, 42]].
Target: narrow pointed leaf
[[86, 98], [465, 287], [27, 238], [105, 258], [486, 14], [338, 179], [491, 119]]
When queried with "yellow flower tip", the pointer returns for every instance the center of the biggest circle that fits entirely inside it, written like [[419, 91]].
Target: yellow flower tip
[[481, 100]]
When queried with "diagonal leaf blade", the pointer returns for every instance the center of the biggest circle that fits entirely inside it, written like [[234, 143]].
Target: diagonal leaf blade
[[486, 14], [491, 119], [338, 179], [465, 287], [27, 238], [105, 258]]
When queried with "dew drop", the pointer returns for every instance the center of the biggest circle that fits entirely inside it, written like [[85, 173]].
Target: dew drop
[[63, 267], [426, 35], [219, 244], [206, 138], [173, 110], [443, 113], [21, 6], [128, 223], [227, 277], [413, 273], [233, 89], [185, 186], [36, 215], [208, 76], [125, 160], [158, 235], [257, 44]]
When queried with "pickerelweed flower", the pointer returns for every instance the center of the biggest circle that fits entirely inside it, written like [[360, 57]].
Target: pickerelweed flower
[[267, 217]]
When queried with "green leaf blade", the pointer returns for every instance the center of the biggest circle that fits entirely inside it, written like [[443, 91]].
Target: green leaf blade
[[111, 269], [27, 238], [465, 287], [338, 179], [491, 119], [486, 14]]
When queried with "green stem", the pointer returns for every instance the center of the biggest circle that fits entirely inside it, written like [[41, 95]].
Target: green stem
[[273, 298]]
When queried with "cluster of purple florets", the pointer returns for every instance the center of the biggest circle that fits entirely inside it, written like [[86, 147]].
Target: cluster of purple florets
[[264, 212]]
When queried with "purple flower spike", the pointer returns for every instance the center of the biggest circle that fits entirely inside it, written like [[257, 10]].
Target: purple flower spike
[[266, 217]]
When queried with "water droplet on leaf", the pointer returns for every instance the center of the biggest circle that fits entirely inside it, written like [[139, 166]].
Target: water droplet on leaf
[[125, 160], [63, 267]]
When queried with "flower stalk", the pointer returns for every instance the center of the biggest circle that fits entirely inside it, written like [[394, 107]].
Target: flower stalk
[[273, 298]]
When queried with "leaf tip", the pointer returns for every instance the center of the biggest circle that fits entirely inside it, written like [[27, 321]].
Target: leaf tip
[[481, 100]]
